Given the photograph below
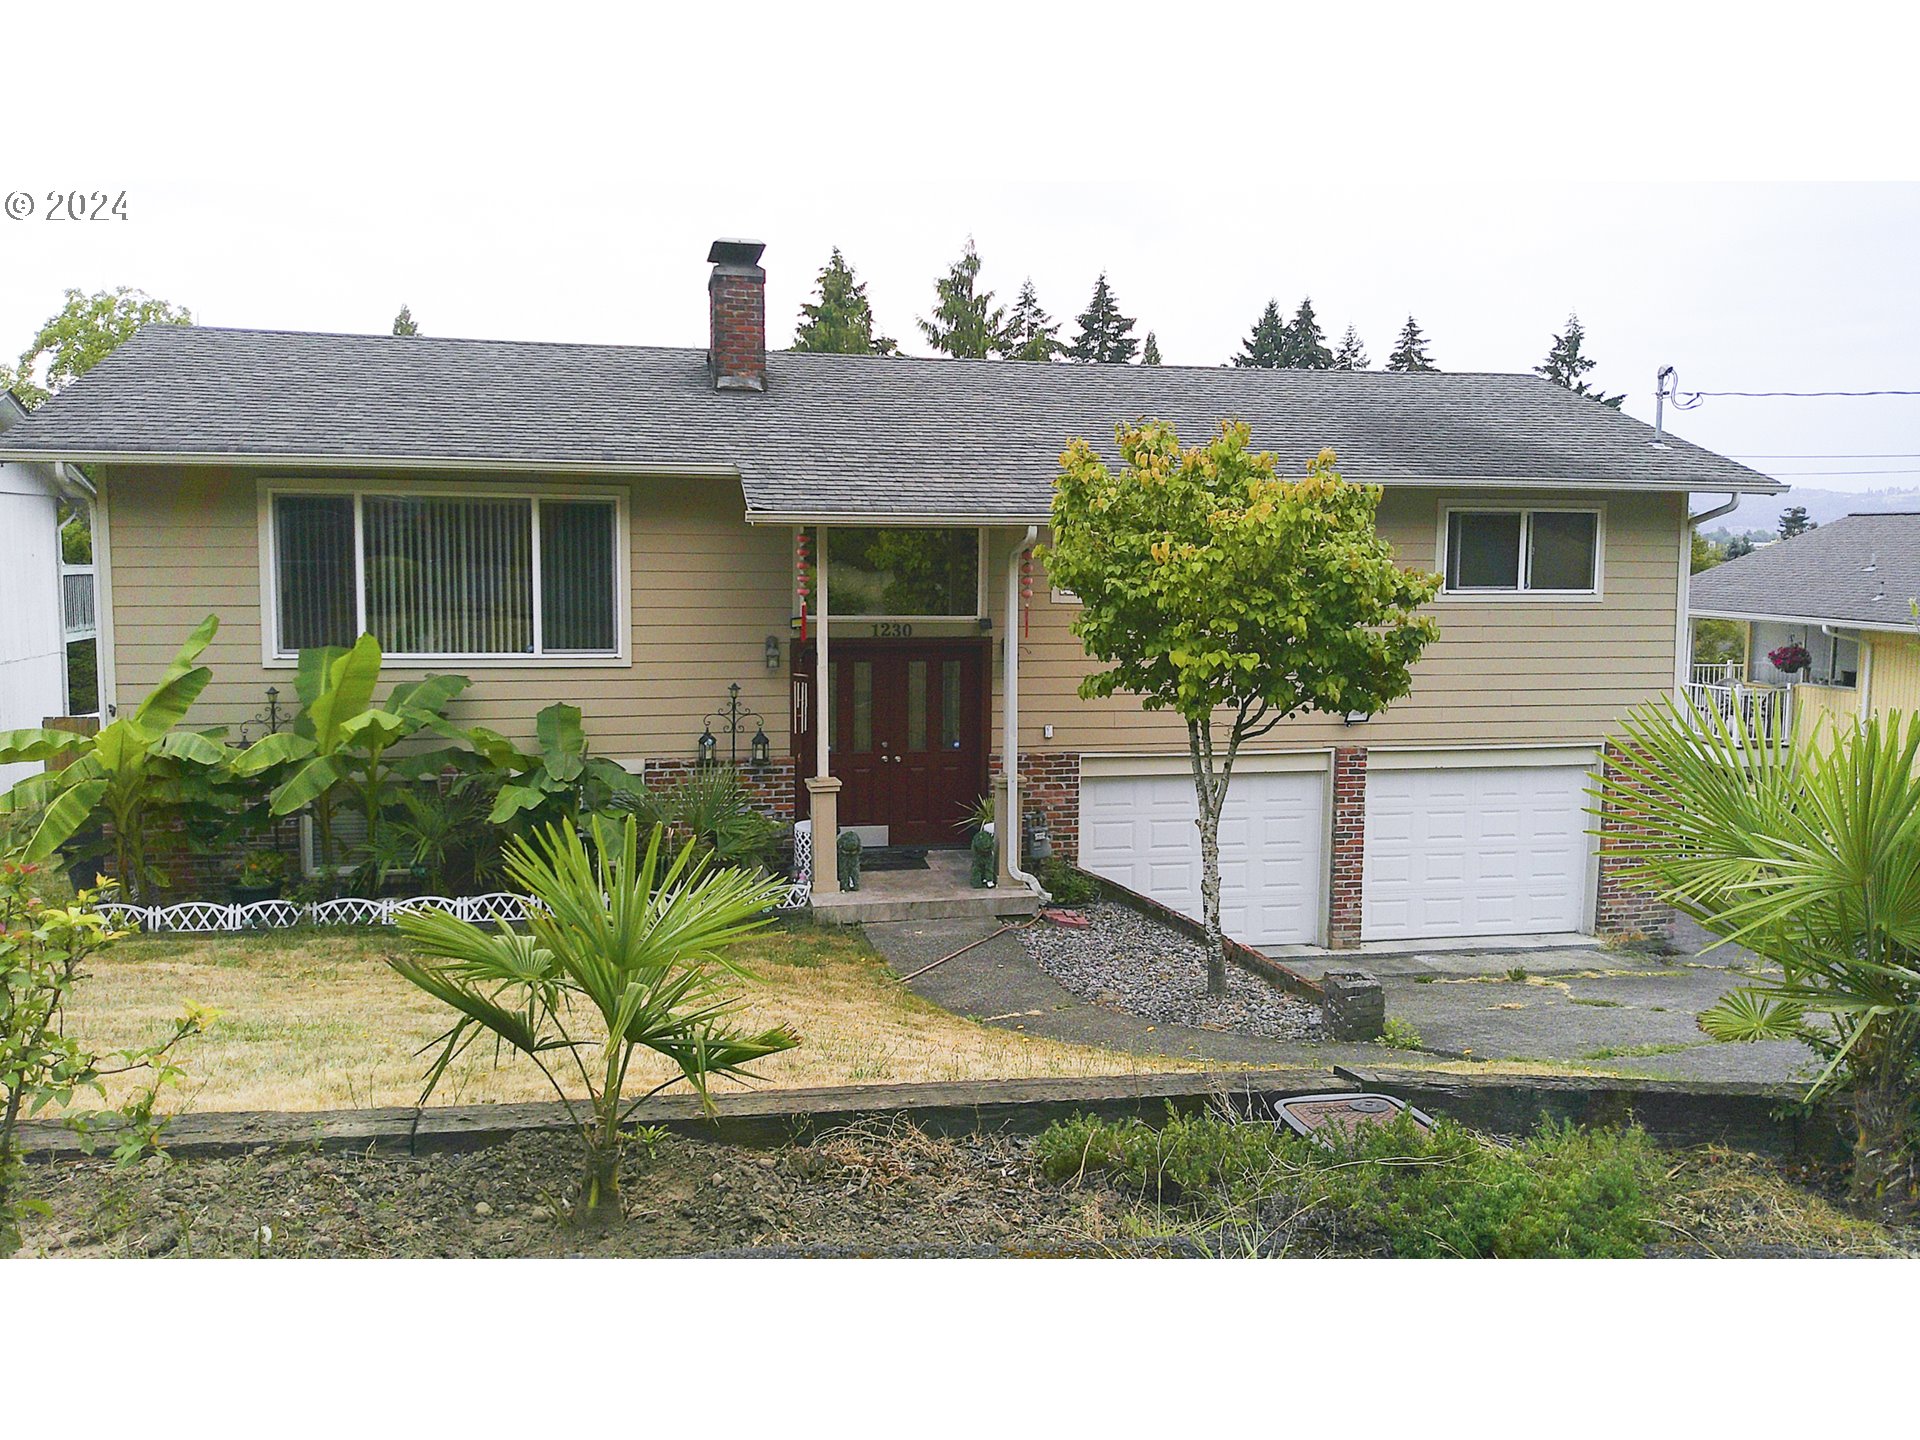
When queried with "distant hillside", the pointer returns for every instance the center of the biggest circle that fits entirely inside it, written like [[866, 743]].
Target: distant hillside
[[1762, 512]]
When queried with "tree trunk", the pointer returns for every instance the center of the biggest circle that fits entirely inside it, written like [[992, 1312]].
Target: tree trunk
[[1210, 901], [1884, 1179]]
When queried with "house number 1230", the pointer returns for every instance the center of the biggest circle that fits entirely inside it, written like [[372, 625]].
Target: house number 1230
[[892, 630]]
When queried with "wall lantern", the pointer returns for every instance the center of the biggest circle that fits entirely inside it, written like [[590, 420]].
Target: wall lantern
[[773, 652], [762, 747], [708, 747]]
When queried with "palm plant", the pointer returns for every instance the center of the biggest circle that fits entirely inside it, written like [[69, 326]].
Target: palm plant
[[710, 807], [140, 771], [1809, 857], [625, 950]]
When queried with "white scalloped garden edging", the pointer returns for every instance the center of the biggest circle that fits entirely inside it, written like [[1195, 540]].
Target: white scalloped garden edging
[[202, 917]]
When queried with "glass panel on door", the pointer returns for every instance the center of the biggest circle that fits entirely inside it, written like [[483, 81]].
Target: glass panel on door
[[916, 705]]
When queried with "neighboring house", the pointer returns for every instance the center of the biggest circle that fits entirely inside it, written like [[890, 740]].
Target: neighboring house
[[1845, 593], [33, 628], [636, 529]]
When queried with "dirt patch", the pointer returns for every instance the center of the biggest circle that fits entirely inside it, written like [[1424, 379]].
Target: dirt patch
[[872, 1189], [876, 1189]]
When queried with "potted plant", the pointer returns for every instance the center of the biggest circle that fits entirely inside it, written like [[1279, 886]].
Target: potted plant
[[260, 876], [1792, 658]]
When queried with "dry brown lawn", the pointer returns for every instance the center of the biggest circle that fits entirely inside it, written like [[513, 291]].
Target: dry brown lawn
[[315, 1020]]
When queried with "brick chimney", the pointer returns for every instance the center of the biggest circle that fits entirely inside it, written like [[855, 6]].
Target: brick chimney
[[737, 296]]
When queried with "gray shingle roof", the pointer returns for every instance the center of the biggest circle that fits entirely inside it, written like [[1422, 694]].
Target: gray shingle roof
[[832, 434], [1863, 570]]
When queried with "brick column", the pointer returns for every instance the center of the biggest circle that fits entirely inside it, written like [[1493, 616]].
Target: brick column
[[1619, 908], [1050, 784], [1349, 846]]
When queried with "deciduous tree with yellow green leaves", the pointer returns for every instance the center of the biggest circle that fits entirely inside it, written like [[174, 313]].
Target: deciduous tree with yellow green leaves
[[1212, 587]]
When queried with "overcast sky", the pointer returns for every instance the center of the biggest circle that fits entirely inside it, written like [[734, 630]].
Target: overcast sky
[[560, 179]]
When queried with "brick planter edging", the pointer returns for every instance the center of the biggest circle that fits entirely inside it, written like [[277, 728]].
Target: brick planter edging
[[1761, 1117]]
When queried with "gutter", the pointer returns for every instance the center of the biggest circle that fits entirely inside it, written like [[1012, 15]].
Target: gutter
[[1010, 710], [1717, 511], [74, 482]]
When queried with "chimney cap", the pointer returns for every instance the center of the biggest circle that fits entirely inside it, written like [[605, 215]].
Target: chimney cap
[[735, 252]]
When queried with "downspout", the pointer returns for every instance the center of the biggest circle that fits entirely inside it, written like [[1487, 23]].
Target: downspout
[[1683, 624], [1009, 826]]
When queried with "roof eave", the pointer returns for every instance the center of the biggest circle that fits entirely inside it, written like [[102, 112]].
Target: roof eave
[[1897, 623], [258, 459]]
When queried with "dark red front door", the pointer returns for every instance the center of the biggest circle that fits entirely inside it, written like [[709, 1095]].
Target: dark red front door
[[909, 734]]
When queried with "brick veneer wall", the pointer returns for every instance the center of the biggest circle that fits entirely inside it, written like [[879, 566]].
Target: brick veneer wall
[[1620, 908], [768, 787], [1345, 900], [1050, 783]]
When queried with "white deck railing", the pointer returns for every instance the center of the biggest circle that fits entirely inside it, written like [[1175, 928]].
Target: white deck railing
[[1749, 711], [78, 612], [1721, 672]]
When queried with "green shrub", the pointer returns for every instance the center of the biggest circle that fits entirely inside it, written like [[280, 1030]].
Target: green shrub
[[1068, 885], [1399, 1034], [1395, 1188]]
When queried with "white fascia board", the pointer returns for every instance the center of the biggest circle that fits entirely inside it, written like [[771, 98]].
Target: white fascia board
[[468, 464], [1897, 625]]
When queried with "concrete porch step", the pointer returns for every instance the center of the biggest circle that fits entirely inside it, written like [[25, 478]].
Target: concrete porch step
[[871, 906]]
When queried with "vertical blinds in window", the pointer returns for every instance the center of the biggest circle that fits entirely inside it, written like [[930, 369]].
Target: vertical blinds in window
[[313, 541], [449, 577], [576, 575]]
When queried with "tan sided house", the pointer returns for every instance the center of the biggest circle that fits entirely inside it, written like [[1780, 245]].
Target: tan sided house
[[1840, 597], [635, 529]]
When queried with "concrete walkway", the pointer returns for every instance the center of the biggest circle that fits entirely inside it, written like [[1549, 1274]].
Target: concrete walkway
[[1578, 1006]]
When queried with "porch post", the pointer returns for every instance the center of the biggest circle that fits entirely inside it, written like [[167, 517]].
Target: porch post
[[823, 789]]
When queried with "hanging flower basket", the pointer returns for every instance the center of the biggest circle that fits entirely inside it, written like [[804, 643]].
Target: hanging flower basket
[[1790, 659]]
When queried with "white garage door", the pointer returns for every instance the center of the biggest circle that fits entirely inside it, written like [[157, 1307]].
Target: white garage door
[[1139, 830], [1475, 852]]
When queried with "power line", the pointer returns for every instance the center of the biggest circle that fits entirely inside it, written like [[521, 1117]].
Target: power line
[[1806, 474], [1789, 394]]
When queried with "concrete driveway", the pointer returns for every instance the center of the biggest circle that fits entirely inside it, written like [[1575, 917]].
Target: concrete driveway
[[1578, 1006]]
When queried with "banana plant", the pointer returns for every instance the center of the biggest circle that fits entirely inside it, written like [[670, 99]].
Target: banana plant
[[558, 780], [134, 769], [341, 738]]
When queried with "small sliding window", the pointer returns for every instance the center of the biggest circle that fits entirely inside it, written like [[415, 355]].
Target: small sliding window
[[1553, 552]]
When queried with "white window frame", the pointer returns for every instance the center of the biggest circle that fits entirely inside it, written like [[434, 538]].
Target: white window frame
[[1523, 592], [274, 658], [979, 588]]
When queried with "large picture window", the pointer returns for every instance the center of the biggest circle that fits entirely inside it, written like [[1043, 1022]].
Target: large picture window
[[1519, 551], [446, 576]]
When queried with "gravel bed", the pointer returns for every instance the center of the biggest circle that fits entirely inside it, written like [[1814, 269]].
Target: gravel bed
[[1132, 963]]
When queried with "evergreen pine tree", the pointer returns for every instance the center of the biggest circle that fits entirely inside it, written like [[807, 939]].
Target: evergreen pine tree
[[1410, 351], [1268, 346], [1104, 337], [403, 323], [966, 324], [840, 320], [1031, 333], [1151, 354], [1351, 355], [1794, 521], [1567, 367], [1306, 346]]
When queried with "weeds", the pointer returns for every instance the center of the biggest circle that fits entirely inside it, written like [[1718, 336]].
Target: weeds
[[1399, 1034], [1240, 1186]]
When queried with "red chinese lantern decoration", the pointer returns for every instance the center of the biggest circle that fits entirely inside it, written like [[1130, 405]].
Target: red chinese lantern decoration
[[800, 580]]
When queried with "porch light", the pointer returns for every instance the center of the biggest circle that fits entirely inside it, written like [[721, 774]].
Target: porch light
[[762, 747], [773, 652], [1356, 717], [708, 747]]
